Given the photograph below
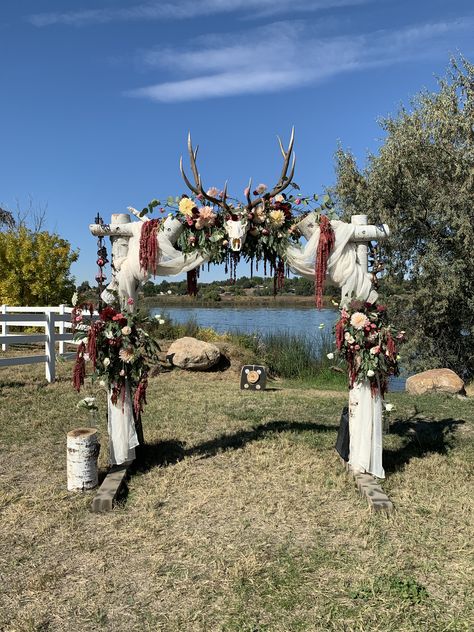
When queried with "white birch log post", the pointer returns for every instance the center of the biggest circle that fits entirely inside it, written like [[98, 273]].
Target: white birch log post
[[82, 452]]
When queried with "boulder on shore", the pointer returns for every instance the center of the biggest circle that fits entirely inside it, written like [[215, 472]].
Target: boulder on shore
[[435, 381], [193, 354]]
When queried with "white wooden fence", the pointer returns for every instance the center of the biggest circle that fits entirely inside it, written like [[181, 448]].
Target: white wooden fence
[[56, 322]]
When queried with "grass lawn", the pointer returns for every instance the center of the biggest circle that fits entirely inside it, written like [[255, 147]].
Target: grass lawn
[[242, 519]]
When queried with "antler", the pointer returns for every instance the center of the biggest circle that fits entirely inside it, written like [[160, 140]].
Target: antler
[[197, 188], [284, 180]]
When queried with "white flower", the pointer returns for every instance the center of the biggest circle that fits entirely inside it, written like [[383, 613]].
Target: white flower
[[279, 198], [109, 334], [370, 373], [126, 330], [161, 321], [389, 407], [74, 299], [157, 316], [350, 339], [106, 361], [330, 356], [102, 383], [169, 292], [88, 403]]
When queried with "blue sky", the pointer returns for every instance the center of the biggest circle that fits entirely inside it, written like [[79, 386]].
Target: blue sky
[[98, 95]]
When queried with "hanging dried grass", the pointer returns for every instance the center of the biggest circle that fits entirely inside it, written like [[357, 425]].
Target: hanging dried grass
[[325, 247], [149, 249]]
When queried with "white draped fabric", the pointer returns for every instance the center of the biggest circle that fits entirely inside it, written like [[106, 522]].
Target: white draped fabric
[[365, 430], [171, 261], [121, 426], [129, 273], [344, 268]]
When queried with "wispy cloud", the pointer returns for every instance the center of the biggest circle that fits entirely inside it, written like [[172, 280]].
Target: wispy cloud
[[287, 55], [185, 9]]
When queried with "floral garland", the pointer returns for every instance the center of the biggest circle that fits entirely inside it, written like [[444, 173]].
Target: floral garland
[[120, 352], [270, 227], [368, 343]]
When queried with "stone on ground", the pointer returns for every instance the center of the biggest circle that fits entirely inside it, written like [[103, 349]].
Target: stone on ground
[[192, 354], [435, 381]]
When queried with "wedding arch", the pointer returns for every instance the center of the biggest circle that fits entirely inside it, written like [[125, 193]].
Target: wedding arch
[[209, 226]]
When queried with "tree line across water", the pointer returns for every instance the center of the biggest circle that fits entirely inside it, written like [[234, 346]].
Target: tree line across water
[[420, 182]]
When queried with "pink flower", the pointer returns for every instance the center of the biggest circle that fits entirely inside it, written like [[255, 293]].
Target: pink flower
[[207, 217], [298, 201], [213, 192], [261, 189], [375, 350], [359, 320], [130, 301]]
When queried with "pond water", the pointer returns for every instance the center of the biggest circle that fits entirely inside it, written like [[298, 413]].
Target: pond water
[[295, 320], [304, 321]]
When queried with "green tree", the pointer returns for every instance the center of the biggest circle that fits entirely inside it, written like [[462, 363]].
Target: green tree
[[304, 287], [35, 267], [421, 183]]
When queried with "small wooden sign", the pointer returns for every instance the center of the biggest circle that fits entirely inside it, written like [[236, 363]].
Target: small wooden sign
[[253, 377]]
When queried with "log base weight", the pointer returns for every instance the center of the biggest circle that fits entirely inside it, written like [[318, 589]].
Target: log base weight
[[109, 490], [370, 488], [82, 452]]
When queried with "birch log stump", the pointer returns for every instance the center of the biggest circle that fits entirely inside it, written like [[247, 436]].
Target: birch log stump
[[82, 451]]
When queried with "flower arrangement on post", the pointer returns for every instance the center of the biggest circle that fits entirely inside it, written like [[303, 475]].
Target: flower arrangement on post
[[368, 343], [120, 351]]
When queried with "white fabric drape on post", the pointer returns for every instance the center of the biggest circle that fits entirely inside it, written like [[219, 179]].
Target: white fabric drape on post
[[344, 268], [365, 430], [122, 434]]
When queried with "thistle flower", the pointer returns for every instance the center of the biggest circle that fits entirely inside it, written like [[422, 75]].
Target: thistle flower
[[126, 355]]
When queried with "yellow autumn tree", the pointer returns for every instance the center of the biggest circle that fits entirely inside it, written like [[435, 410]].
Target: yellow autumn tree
[[35, 267]]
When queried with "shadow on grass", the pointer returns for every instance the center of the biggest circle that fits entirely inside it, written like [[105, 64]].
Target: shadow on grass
[[165, 453], [420, 437]]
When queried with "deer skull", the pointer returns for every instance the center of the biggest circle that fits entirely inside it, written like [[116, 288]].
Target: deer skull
[[237, 232]]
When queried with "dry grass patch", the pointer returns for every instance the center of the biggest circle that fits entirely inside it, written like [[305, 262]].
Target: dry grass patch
[[241, 518]]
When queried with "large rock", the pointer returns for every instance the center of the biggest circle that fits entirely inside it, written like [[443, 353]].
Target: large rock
[[195, 355], [435, 381]]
